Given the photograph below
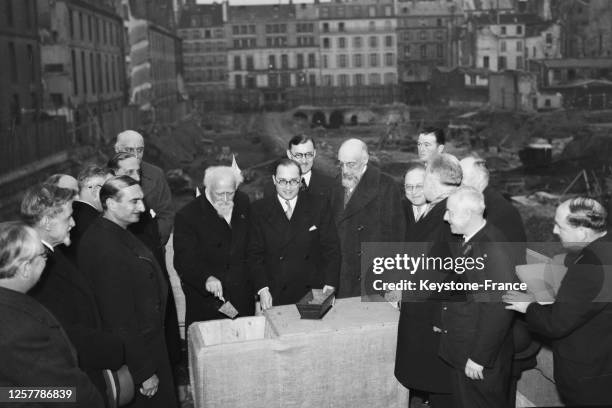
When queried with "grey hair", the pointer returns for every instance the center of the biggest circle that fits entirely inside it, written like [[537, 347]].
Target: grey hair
[[447, 168], [214, 173]]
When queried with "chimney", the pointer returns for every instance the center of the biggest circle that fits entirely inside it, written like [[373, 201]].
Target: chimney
[[224, 10]]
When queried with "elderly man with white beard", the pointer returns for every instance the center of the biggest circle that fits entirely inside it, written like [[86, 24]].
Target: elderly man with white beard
[[367, 207], [210, 242]]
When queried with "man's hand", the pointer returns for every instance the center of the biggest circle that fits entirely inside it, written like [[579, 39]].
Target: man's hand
[[213, 285], [149, 387], [265, 298], [474, 370], [518, 301], [328, 288]]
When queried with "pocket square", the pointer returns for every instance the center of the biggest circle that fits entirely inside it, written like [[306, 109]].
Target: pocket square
[[314, 227]]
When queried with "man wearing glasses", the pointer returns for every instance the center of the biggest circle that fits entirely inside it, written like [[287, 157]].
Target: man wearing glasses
[[302, 149], [367, 208], [156, 191], [64, 289], [415, 204], [293, 244]]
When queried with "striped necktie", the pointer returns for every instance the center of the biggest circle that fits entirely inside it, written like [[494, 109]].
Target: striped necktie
[[289, 211]]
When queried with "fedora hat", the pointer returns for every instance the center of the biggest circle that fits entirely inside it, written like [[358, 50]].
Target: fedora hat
[[119, 386]]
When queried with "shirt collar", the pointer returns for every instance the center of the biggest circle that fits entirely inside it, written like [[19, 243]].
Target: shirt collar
[[49, 246], [466, 238], [307, 177], [293, 201]]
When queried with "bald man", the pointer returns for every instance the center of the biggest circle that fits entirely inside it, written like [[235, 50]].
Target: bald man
[[476, 336], [156, 191], [367, 207], [64, 181]]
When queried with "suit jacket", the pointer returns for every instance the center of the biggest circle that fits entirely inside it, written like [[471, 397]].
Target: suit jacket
[[66, 292], [293, 256], [36, 351], [417, 364], [130, 290], [373, 214], [507, 219], [157, 196], [83, 215], [205, 245], [479, 328], [580, 324], [320, 184]]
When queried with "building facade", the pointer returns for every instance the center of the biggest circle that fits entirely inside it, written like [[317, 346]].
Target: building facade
[[358, 43], [83, 60], [20, 82], [204, 47]]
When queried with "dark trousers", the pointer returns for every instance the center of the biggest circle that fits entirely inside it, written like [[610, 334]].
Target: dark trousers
[[492, 391]]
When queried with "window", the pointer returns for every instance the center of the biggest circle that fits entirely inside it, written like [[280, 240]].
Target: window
[[357, 60], [389, 78], [372, 26], [534, 52], [423, 35], [89, 28], [284, 61], [271, 62], [343, 80], [373, 42], [82, 37], [485, 61], [312, 80], [388, 41], [106, 74], [357, 42], [70, 21], [341, 27], [503, 30], [439, 50], [328, 80], [374, 79], [501, 63], [358, 80], [75, 85], [238, 81], [300, 61], [373, 60], [549, 39], [502, 45], [325, 42], [407, 51], [250, 82], [423, 51], [519, 29], [439, 35], [326, 27], [325, 61], [311, 61], [92, 72], [389, 59], [519, 62], [407, 36], [439, 22], [341, 42], [13, 61], [235, 30], [519, 46], [372, 11], [388, 11], [342, 61], [237, 63], [84, 72]]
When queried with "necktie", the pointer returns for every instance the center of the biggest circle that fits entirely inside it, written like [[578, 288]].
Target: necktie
[[419, 212], [303, 185], [289, 211]]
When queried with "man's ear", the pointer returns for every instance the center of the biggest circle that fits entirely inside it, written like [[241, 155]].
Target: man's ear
[[289, 154], [440, 148], [117, 150]]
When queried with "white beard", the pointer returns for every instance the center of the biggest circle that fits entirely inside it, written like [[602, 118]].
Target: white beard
[[224, 208]]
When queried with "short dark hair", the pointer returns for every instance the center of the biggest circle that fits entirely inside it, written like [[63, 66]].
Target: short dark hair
[[88, 172], [113, 163], [588, 213], [113, 186], [437, 132], [44, 200], [301, 139], [287, 162]]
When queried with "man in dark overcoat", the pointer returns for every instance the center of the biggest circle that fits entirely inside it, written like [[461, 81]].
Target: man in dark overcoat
[[210, 243], [63, 288], [367, 207], [130, 291], [293, 241]]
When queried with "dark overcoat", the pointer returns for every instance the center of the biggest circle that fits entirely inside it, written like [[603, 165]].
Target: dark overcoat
[[66, 292], [293, 256], [83, 215], [417, 364], [130, 291], [374, 213], [580, 325], [205, 245], [36, 351]]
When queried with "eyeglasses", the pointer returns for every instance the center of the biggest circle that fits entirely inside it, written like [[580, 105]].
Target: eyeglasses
[[300, 156], [349, 165], [95, 186], [133, 150], [413, 188], [285, 183]]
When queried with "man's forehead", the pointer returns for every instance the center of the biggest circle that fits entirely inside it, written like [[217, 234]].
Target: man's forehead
[[132, 192], [130, 139], [287, 171], [303, 147], [415, 174], [224, 183], [427, 137]]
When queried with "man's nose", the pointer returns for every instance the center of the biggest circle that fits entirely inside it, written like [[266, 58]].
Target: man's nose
[[140, 207]]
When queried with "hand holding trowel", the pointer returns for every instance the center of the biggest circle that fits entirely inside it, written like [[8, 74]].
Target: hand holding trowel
[[213, 285]]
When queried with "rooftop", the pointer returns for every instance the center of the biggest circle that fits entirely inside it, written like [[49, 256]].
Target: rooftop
[[202, 15], [263, 13], [577, 63]]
